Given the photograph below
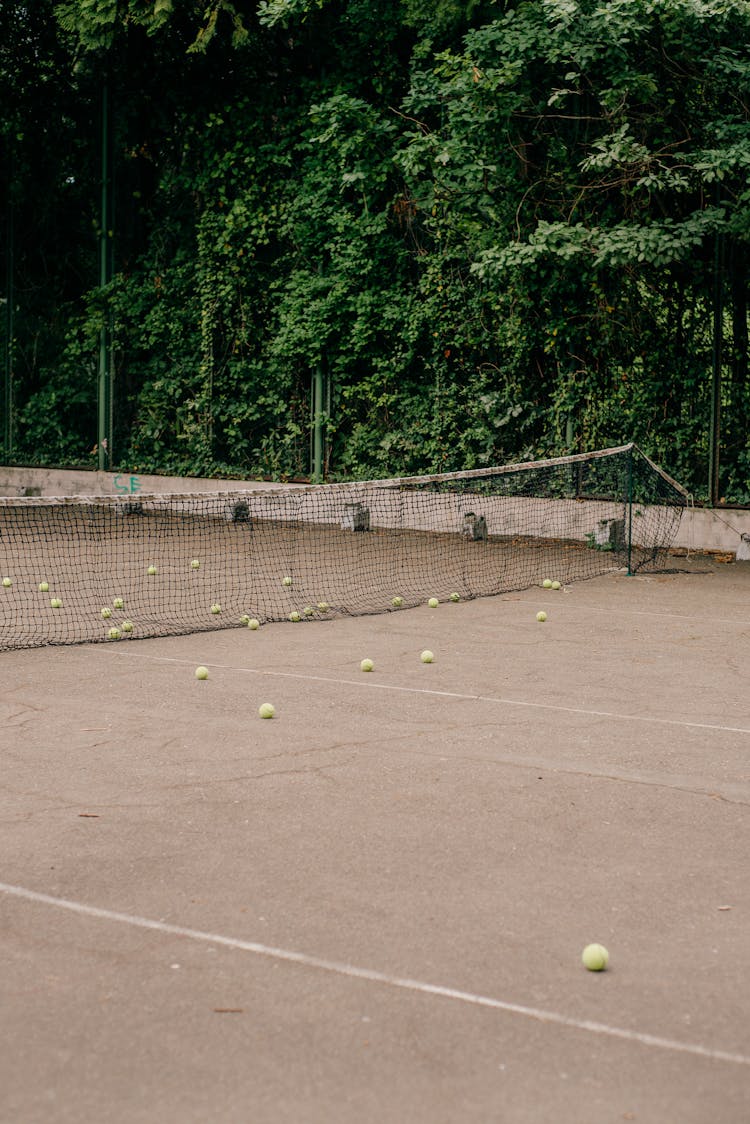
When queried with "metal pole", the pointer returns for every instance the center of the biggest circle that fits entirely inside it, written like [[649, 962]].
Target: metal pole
[[317, 408], [714, 437], [630, 513], [9, 311], [104, 436]]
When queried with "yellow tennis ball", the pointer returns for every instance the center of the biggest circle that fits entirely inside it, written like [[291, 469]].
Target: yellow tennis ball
[[106, 613], [55, 603], [294, 616], [287, 581], [127, 626], [114, 634], [595, 957], [201, 672], [366, 665], [266, 710], [397, 602], [216, 608], [118, 603], [244, 619], [151, 571], [433, 602], [541, 616], [547, 583], [7, 582], [556, 585], [195, 564], [455, 596], [44, 587], [308, 611], [323, 606], [427, 656], [253, 624]]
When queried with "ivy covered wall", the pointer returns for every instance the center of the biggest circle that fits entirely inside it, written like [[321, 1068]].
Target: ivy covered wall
[[489, 232]]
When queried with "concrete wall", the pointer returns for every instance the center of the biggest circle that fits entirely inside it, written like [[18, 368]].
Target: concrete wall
[[700, 529]]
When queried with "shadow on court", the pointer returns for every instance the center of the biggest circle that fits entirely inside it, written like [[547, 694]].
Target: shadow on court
[[372, 908]]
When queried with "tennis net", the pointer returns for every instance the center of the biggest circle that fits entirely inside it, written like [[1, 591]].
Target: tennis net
[[83, 569]]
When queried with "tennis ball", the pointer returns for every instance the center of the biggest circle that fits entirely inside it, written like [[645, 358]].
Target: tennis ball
[[556, 585], [7, 582], [366, 665], [455, 596], [127, 626], [118, 603], [541, 616], [397, 602], [114, 634], [295, 616], [323, 606], [244, 619], [266, 710], [253, 624], [308, 610], [55, 603], [427, 656], [195, 564], [595, 957], [287, 581], [433, 602], [151, 571], [547, 584], [201, 672], [215, 609], [106, 613], [43, 587]]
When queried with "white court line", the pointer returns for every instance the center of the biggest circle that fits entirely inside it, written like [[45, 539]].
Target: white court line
[[452, 695], [372, 976]]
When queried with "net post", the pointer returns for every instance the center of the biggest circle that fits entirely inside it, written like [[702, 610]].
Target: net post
[[629, 512]]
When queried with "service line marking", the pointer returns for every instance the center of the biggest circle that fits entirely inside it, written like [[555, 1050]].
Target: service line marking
[[499, 699], [371, 975]]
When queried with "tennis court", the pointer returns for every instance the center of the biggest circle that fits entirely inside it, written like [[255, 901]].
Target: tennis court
[[372, 907]]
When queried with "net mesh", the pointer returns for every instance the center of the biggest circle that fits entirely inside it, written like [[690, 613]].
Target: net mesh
[[109, 568]]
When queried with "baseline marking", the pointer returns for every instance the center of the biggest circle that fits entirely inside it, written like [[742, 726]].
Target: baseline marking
[[452, 695], [372, 976]]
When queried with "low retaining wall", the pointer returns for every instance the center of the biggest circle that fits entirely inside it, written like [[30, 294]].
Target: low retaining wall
[[701, 529]]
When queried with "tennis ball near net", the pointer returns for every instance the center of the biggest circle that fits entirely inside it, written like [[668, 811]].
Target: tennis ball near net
[[294, 616], [433, 602], [287, 581], [266, 710], [541, 616], [455, 597], [195, 564], [397, 602], [151, 571], [216, 608], [595, 957], [366, 665], [547, 583], [7, 582], [323, 606], [114, 634], [118, 603], [44, 587], [427, 656], [556, 585], [55, 603], [201, 672], [106, 613], [253, 624], [127, 626]]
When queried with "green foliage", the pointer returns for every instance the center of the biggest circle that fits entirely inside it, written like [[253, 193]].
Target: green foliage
[[496, 231]]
